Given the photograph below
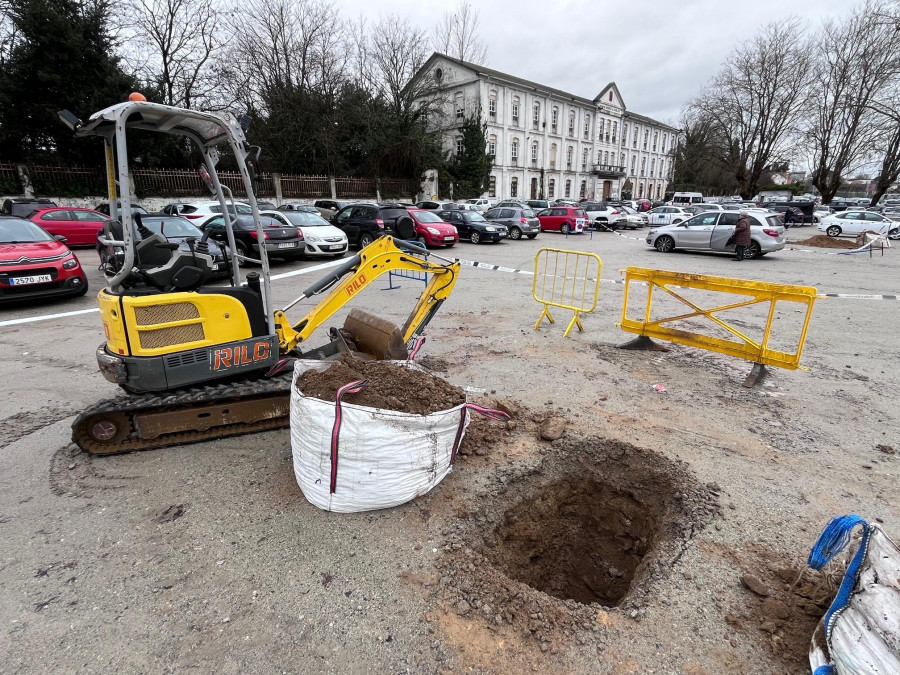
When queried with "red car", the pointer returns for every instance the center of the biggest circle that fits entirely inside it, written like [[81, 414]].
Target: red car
[[565, 219], [34, 264], [79, 226], [431, 230]]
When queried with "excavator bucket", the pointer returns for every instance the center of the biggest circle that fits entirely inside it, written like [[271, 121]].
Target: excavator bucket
[[376, 336]]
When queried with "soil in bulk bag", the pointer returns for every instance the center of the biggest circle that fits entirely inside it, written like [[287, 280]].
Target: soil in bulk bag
[[350, 458], [860, 632]]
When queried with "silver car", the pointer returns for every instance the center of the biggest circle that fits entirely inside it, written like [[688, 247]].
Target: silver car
[[519, 222], [711, 231]]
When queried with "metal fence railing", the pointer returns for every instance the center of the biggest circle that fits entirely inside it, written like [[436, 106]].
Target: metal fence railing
[[9, 179], [67, 181], [305, 186], [354, 187]]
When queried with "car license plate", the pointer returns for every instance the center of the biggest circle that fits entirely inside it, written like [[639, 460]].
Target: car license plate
[[35, 279], [289, 245], [338, 247], [449, 238], [215, 268]]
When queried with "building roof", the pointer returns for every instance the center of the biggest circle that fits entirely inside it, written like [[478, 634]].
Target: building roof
[[528, 84], [611, 85]]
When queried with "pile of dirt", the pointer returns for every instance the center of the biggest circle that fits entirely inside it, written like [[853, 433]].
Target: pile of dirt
[[390, 386], [435, 363], [589, 530], [824, 241], [783, 602]]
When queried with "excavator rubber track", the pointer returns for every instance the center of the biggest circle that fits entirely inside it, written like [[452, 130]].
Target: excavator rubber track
[[146, 421]]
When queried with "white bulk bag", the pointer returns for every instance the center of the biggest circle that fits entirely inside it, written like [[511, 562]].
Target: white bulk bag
[[373, 458], [861, 629]]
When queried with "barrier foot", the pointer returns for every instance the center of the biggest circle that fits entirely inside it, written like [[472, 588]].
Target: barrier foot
[[643, 343], [546, 313], [757, 375], [576, 321]]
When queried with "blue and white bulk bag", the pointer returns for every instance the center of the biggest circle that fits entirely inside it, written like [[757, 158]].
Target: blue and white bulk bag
[[860, 632]]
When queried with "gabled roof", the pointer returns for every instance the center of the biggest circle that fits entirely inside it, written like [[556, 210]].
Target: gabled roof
[[497, 75], [648, 120], [611, 85]]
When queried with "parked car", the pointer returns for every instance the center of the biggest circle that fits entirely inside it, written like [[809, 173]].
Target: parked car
[[667, 215], [364, 223], [23, 207], [892, 212], [854, 222], [711, 231], [305, 208], [329, 207], [78, 226], [431, 206], [103, 207], [565, 219], [517, 220], [633, 217], [838, 205], [538, 204], [322, 239], [201, 213], [281, 242], [515, 203], [606, 214], [36, 264], [474, 227], [174, 228], [482, 204], [790, 215], [432, 230], [821, 212], [802, 211]]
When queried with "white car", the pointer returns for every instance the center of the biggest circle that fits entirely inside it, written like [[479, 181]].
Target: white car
[[820, 212], [854, 221], [322, 239], [200, 213], [667, 215], [635, 217], [607, 215], [482, 204]]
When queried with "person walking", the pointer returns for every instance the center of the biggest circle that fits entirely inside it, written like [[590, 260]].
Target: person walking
[[741, 236]]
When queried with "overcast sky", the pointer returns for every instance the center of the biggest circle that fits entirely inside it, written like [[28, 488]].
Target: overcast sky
[[658, 52]]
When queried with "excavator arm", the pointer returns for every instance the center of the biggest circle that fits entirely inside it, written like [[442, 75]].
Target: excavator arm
[[380, 257]]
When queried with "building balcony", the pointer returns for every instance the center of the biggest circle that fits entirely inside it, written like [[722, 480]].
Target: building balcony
[[608, 170]]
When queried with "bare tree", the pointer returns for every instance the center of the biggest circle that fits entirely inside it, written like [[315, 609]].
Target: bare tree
[[456, 34], [397, 50], [854, 61], [179, 39], [755, 100], [7, 32]]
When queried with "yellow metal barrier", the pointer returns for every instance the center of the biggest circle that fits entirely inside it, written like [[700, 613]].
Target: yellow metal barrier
[[568, 280], [744, 347]]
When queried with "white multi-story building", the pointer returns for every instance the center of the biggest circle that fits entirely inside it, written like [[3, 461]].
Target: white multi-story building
[[549, 144]]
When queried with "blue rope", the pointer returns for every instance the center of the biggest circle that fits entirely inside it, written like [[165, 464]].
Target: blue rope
[[824, 670], [833, 540]]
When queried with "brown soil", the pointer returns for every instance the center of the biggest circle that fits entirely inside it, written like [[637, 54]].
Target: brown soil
[[595, 524], [434, 363], [824, 241], [390, 386], [793, 601]]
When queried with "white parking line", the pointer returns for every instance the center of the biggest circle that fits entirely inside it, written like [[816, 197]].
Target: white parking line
[[45, 317]]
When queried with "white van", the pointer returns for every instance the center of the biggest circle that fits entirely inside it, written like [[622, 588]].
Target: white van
[[687, 198]]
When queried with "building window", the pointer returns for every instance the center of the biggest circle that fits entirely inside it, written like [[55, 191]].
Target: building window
[[606, 157], [587, 127], [657, 191], [646, 137], [492, 186], [534, 153], [514, 187], [652, 167], [665, 142], [615, 129], [553, 156], [551, 188], [515, 151], [571, 124], [460, 109], [643, 165], [554, 120], [515, 112], [492, 147], [459, 146], [536, 116], [492, 108], [568, 189], [583, 191], [655, 139], [584, 159], [641, 190], [610, 97], [622, 160], [607, 131], [624, 134], [569, 160], [633, 160], [662, 168], [635, 138]]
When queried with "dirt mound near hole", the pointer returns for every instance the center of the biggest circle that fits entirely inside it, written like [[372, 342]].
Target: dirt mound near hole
[[578, 539], [823, 241], [547, 546], [390, 386]]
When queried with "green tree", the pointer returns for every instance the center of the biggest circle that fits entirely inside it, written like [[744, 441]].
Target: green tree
[[470, 169], [62, 58]]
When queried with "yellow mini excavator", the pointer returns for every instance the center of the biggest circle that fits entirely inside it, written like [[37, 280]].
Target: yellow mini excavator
[[200, 362]]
